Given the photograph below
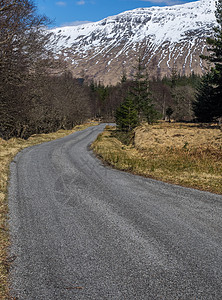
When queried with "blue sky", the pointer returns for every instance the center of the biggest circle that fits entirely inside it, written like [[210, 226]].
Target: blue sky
[[71, 12]]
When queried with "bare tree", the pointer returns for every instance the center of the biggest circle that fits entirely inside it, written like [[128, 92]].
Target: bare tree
[[25, 57]]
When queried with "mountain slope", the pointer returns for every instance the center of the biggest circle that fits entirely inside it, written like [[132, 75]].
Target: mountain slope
[[165, 37]]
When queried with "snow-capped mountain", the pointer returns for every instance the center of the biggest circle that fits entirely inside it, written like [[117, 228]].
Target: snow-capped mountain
[[165, 37]]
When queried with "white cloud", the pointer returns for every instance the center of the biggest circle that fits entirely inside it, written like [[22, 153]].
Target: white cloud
[[81, 2], [61, 3]]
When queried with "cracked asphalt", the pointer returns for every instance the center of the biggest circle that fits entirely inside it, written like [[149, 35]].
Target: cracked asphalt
[[80, 230]]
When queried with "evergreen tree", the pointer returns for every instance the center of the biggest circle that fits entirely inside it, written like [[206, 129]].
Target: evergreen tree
[[203, 106], [214, 78], [138, 104], [150, 112], [141, 95], [127, 116], [140, 88]]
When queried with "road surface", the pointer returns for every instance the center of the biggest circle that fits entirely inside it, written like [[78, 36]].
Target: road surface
[[84, 231]]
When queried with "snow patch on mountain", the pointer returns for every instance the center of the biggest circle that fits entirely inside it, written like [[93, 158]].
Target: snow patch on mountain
[[165, 37], [159, 24]]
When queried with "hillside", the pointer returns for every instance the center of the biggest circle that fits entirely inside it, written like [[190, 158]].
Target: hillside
[[166, 37]]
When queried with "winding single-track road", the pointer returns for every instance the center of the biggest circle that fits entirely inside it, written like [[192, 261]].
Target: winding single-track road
[[81, 230]]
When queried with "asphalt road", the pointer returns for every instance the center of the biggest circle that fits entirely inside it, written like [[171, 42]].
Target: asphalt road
[[84, 231]]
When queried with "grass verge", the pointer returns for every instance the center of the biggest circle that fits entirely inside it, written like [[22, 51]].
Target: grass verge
[[183, 154], [8, 149]]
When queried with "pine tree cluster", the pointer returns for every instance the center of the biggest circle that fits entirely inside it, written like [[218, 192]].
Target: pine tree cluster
[[138, 103], [208, 104]]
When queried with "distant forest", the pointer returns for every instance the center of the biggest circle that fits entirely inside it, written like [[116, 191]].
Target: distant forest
[[38, 95]]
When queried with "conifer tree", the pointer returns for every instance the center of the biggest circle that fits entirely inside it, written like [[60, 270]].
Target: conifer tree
[[141, 95], [213, 93], [127, 116], [203, 107], [138, 104]]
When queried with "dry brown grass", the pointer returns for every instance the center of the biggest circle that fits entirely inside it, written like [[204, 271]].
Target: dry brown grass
[[178, 135], [184, 154], [8, 149]]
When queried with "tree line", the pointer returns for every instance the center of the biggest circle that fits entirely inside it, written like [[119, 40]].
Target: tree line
[[199, 99], [38, 95], [182, 98], [147, 99]]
